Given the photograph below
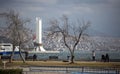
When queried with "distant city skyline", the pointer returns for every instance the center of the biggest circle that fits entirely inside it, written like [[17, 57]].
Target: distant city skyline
[[103, 14]]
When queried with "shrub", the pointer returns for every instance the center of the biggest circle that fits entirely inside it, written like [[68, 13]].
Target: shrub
[[10, 71]]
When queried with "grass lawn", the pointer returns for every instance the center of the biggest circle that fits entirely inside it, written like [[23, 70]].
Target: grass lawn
[[60, 63]]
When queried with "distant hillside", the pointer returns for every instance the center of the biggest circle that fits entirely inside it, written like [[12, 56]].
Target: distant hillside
[[89, 43]]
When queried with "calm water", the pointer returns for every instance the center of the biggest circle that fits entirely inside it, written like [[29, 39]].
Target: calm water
[[79, 55]]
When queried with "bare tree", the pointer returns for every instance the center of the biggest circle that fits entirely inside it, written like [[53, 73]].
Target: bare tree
[[16, 31], [71, 32]]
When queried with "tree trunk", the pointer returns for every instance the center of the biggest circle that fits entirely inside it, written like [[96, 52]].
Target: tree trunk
[[12, 54], [20, 53], [72, 59]]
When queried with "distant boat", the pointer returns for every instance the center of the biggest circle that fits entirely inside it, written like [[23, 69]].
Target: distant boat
[[7, 48]]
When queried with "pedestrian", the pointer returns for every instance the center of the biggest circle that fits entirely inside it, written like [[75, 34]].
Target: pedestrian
[[26, 55], [93, 55], [34, 57], [107, 57], [102, 58], [68, 58]]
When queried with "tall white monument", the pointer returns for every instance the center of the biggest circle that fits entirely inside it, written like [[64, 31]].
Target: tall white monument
[[39, 35]]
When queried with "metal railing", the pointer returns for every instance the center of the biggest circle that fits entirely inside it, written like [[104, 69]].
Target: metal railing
[[70, 70]]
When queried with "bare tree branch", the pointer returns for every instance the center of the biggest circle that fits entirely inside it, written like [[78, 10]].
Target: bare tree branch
[[16, 30], [71, 33]]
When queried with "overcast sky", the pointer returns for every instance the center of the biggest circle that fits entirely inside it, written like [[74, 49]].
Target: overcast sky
[[104, 14]]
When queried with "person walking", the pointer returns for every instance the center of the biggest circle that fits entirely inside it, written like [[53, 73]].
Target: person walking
[[34, 57], [93, 55], [103, 58], [107, 57], [26, 55]]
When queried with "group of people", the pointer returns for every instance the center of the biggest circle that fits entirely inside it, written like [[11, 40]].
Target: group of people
[[104, 58]]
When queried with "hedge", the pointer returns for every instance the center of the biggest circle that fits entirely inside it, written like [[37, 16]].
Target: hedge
[[10, 71]]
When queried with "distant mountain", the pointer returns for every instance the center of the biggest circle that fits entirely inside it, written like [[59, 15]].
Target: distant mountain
[[108, 43], [89, 43]]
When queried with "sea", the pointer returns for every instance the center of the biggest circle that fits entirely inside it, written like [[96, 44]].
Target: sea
[[80, 55]]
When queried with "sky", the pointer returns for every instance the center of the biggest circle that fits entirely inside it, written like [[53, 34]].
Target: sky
[[103, 14]]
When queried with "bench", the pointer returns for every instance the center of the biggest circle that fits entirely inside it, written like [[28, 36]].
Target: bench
[[53, 57]]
